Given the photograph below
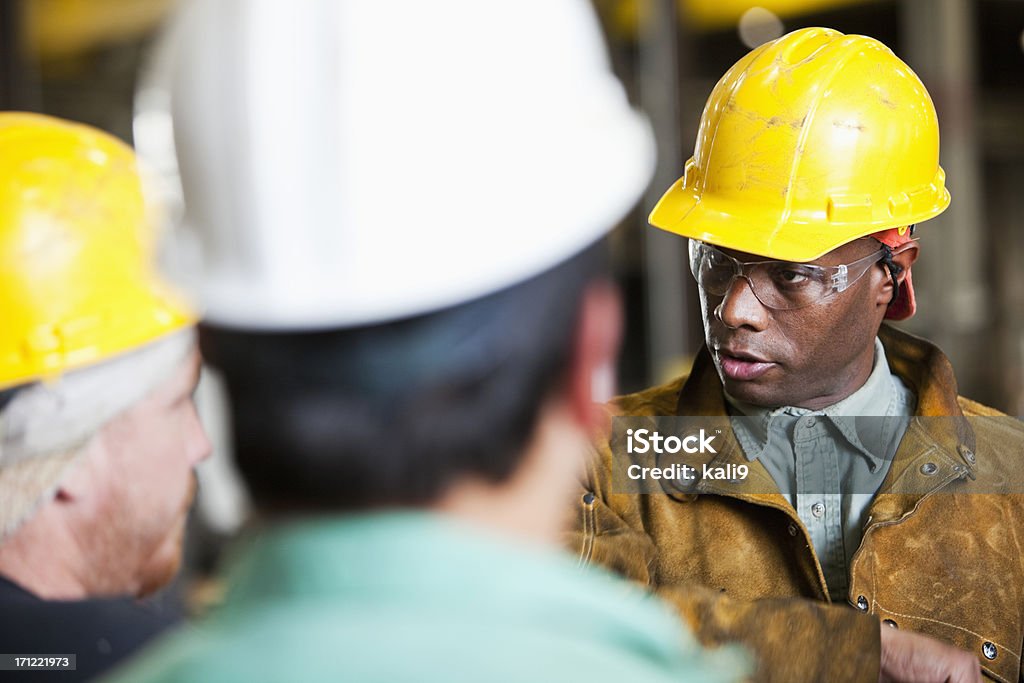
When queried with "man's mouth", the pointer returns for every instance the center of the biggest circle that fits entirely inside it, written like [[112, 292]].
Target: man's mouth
[[741, 365]]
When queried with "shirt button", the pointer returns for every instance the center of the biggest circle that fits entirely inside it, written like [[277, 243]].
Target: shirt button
[[890, 623], [588, 498], [862, 603], [989, 650], [967, 453], [929, 468], [818, 509]]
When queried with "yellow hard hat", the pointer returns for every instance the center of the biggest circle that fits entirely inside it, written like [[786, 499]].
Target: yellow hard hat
[[809, 142], [77, 280]]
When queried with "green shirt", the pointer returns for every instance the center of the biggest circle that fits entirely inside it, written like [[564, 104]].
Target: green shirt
[[831, 462], [419, 597]]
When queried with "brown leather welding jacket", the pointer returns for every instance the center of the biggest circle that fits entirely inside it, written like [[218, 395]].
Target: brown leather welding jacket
[[944, 560]]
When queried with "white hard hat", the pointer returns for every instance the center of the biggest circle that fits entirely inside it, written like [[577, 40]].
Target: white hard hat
[[347, 162]]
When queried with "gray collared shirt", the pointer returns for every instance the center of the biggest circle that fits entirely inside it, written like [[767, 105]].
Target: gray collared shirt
[[831, 462]]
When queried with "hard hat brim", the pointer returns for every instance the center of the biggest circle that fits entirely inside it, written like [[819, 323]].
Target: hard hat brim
[[750, 229], [143, 317]]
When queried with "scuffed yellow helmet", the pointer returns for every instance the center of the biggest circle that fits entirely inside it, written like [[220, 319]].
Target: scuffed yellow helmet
[[77, 279], [809, 142]]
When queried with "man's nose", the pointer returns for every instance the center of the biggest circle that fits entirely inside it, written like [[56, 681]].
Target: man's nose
[[200, 447], [741, 308]]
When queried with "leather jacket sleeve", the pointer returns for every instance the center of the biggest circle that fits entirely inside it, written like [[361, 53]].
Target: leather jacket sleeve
[[792, 639]]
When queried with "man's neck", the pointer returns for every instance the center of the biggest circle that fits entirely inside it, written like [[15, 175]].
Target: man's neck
[[531, 505], [40, 556]]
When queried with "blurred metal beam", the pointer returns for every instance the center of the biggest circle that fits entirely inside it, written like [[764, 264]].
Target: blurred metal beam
[[19, 83], [1004, 346], [9, 57], [666, 307], [939, 44]]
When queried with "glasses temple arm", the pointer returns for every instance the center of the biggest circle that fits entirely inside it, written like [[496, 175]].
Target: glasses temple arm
[[894, 270]]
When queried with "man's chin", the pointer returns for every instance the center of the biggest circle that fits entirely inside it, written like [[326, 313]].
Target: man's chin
[[755, 392], [164, 564]]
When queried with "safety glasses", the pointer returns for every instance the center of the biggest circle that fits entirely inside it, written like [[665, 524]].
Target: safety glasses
[[781, 285]]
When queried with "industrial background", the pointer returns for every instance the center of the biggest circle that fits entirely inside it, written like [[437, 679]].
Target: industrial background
[[80, 59]]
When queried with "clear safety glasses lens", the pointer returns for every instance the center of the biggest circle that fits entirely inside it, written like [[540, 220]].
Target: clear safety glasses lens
[[781, 285]]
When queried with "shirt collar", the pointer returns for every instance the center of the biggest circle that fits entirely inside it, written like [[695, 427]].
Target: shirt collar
[[876, 398]]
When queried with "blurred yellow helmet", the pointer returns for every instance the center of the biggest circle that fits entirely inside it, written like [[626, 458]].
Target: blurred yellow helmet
[[809, 142], [77, 280]]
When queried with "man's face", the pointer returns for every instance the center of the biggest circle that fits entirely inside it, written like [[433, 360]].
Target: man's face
[[148, 456], [810, 357]]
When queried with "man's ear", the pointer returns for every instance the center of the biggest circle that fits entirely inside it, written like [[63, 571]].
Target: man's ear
[[80, 480], [904, 256], [73, 485], [595, 353]]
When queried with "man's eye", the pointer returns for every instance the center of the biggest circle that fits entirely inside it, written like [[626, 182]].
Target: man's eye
[[717, 260], [790, 276]]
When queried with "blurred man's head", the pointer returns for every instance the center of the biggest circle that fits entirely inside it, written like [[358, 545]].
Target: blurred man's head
[[397, 414], [119, 498], [98, 434], [401, 291]]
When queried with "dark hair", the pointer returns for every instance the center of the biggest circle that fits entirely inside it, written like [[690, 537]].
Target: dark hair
[[392, 414]]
